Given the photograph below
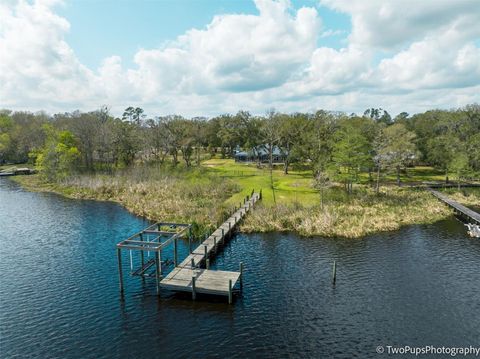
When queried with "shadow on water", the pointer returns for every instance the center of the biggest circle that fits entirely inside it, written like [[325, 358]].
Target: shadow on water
[[59, 290]]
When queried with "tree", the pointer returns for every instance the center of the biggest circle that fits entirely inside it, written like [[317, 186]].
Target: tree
[[291, 128], [133, 114], [6, 126], [58, 157], [351, 152], [399, 148], [379, 115], [322, 182]]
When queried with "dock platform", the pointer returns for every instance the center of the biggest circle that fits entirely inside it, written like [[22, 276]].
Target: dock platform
[[193, 274], [188, 277]]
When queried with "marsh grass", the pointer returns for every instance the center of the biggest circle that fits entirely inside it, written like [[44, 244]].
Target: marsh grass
[[362, 213], [204, 195], [155, 192], [469, 197]]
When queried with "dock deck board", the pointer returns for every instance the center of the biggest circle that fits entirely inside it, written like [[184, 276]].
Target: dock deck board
[[208, 281], [457, 206]]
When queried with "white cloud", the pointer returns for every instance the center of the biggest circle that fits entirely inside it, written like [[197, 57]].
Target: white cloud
[[389, 24], [254, 62]]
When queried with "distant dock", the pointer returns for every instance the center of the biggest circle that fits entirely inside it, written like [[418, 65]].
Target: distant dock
[[17, 172], [193, 274], [459, 209]]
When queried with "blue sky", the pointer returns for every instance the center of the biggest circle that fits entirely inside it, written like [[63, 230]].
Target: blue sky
[[208, 57], [103, 28]]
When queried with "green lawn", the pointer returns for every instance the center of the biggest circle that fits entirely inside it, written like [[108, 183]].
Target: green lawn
[[297, 185], [412, 174], [291, 188]]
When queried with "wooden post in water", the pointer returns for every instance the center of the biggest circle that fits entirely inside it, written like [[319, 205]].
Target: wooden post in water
[[223, 236], [158, 266], [175, 256], [142, 257], [120, 271], [241, 274], [193, 264], [215, 243], [194, 291], [334, 273], [230, 294], [206, 254], [190, 239]]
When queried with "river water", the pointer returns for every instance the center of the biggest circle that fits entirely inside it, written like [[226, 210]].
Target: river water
[[59, 290]]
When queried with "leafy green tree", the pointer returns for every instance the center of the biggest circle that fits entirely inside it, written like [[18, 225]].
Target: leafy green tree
[[398, 149], [6, 126], [59, 156], [351, 153]]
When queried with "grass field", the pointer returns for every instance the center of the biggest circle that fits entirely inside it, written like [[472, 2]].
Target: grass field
[[296, 187]]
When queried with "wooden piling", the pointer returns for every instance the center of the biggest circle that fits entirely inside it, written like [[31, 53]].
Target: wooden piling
[[142, 256], [193, 263], [175, 254], [194, 292], [158, 270], [206, 251], [230, 294], [120, 271], [207, 263], [334, 273]]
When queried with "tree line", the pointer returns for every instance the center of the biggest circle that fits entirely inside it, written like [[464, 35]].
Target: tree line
[[332, 145]]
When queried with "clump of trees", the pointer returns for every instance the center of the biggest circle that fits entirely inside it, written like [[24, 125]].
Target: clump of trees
[[334, 146]]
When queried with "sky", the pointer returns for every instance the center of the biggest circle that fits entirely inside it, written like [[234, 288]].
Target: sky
[[209, 57]]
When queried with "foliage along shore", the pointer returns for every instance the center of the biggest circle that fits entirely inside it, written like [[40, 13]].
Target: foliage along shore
[[204, 197]]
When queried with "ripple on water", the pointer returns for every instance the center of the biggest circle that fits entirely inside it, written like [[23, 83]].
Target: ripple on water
[[59, 290]]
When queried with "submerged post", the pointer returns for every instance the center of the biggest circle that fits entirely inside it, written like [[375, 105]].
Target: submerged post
[[120, 272], [230, 294], [334, 274]]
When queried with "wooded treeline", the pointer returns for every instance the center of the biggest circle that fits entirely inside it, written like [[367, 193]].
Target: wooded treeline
[[332, 145]]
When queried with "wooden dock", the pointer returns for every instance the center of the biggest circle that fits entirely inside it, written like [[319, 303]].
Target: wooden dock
[[460, 209], [189, 277]]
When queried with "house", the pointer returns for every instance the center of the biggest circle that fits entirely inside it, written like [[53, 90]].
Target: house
[[260, 154]]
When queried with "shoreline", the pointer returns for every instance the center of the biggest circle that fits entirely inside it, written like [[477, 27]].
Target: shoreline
[[362, 216]]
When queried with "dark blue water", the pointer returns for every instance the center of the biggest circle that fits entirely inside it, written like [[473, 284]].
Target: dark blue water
[[59, 290]]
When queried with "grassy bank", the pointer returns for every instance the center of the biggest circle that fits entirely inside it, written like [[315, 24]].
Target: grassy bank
[[157, 193], [205, 194]]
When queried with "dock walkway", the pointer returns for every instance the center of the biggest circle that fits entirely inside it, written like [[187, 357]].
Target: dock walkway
[[189, 277], [458, 208]]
